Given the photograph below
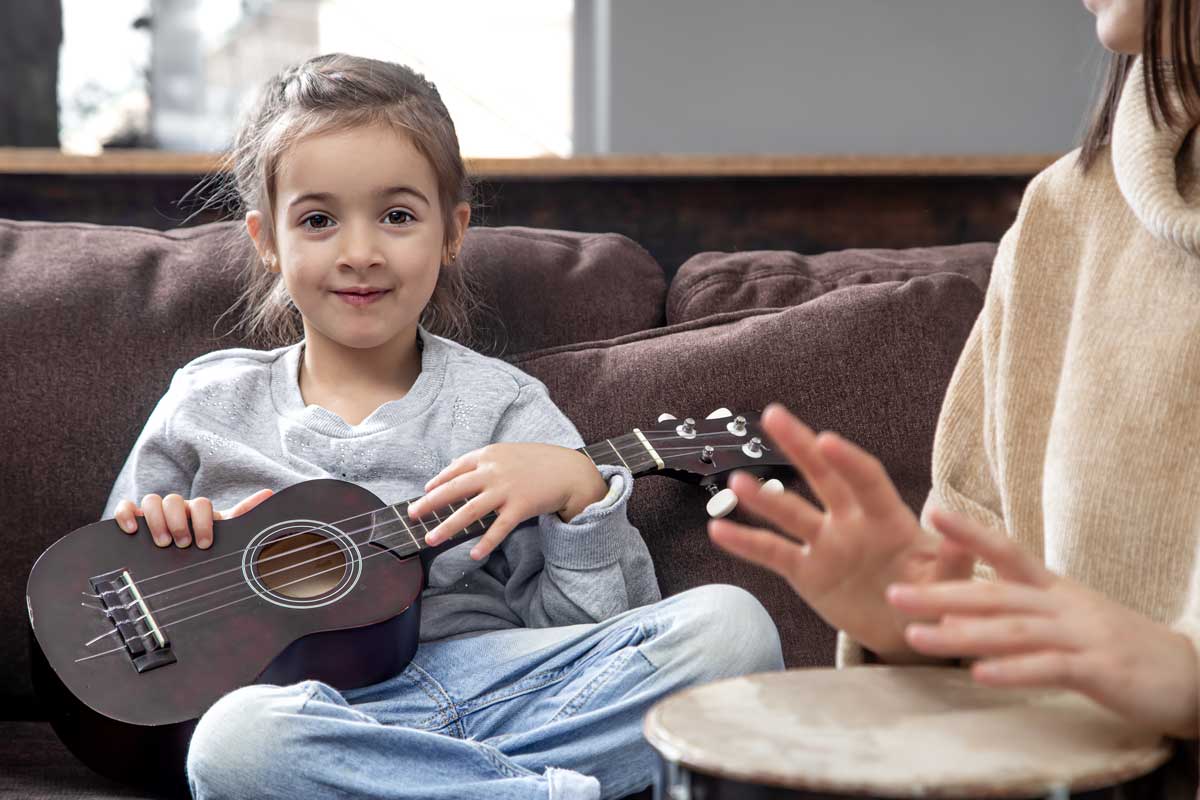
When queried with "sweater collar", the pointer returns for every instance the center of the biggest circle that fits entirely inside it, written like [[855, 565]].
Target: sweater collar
[[1145, 164]]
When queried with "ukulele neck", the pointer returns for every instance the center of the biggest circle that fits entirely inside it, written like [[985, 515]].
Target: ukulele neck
[[394, 529]]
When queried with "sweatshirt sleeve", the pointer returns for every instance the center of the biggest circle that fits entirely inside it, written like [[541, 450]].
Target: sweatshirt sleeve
[[596, 565], [157, 463]]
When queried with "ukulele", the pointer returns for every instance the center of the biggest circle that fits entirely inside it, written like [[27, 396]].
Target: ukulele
[[131, 643]]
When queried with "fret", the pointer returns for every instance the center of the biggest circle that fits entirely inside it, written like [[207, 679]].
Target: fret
[[584, 449], [618, 452], [406, 528]]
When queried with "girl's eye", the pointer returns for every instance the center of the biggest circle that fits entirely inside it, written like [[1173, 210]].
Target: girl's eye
[[398, 216], [316, 221]]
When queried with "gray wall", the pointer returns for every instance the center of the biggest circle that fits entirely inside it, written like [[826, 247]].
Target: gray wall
[[887, 77]]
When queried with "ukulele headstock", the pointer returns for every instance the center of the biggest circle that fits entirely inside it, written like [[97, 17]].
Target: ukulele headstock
[[703, 451]]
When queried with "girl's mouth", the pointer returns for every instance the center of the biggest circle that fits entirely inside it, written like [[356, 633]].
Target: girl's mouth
[[362, 298]]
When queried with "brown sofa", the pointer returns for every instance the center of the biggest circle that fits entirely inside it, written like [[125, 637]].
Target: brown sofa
[[93, 320]]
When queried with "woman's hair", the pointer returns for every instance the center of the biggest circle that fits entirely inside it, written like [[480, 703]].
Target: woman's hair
[[337, 92], [1170, 48]]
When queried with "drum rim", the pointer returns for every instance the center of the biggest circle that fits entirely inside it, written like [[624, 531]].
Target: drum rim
[[671, 748]]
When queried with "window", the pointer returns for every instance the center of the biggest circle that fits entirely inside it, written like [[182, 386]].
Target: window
[[177, 74]]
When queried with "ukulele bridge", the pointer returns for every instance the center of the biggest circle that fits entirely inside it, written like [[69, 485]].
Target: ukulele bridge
[[145, 643]]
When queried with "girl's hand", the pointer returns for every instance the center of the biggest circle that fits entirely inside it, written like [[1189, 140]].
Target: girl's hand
[[167, 517], [1035, 628], [840, 559], [518, 480]]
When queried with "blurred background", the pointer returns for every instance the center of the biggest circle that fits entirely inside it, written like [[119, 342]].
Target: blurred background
[[799, 124], [556, 77]]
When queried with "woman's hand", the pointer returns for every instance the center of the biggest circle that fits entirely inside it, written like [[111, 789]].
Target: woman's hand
[[1035, 628], [518, 480], [167, 517], [842, 558]]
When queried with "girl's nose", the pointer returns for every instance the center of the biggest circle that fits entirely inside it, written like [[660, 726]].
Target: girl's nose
[[359, 249]]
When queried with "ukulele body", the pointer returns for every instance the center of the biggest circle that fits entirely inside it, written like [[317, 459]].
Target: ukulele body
[[303, 586]]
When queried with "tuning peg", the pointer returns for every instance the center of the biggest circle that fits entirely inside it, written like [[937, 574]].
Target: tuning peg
[[720, 413], [773, 486], [665, 417], [721, 503]]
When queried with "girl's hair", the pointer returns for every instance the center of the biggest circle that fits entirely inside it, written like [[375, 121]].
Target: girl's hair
[[1171, 51], [337, 92]]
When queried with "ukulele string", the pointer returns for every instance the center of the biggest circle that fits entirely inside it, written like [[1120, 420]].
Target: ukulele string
[[291, 552], [636, 450], [343, 566]]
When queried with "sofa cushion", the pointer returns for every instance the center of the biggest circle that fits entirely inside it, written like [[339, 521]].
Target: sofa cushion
[[97, 318], [871, 362], [717, 283]]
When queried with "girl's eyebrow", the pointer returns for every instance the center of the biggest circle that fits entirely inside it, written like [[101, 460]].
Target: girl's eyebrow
[[325, 197]]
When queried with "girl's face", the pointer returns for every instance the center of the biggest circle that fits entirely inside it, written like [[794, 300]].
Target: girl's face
[[359, 234], [1118, 24]]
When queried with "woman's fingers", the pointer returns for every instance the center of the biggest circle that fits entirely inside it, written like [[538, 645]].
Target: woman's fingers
[[935, 599], [1011, 562], [799, 445], [758, 546], [974, 637], [789, 512], [863, 473], [201, 511], [1048, 668]]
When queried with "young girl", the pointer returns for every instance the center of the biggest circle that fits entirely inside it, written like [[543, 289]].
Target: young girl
[[1068, 442], [541, 648]]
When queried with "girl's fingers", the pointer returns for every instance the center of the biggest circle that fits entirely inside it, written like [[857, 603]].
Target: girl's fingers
[[126, 515], [863, 473], [201, 511], [799, 445], [244, 505], [464, 463], [1046, 669], [1011, 562], [175, 510], [496, 534], [758, 546], [152, 509], [458, 488], [970, 637], [473, 510], [789, 512], [969, 597]]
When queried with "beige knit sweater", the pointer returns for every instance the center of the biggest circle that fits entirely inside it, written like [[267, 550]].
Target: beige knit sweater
[[1072, 420]]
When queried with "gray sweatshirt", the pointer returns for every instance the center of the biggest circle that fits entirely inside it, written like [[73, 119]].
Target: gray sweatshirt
[[233, 422]]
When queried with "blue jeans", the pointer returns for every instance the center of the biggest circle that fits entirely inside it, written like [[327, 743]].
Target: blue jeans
[[524, 713]]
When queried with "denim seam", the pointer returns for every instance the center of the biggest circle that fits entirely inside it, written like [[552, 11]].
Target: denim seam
[[600, 681], [523, 686], [447, 713], [499, 761]]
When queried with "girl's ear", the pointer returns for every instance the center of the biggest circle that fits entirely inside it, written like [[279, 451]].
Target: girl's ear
[[460, 220], [257, 231]]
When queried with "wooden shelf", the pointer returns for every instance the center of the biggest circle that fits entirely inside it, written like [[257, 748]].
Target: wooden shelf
[[44, 161]]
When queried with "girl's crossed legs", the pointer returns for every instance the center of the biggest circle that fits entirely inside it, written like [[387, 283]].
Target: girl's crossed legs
[[523, 713]]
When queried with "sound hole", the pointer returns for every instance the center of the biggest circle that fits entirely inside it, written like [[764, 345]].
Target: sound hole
[[301, 566]]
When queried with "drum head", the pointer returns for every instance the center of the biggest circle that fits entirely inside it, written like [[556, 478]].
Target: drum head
[[899, 732]]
